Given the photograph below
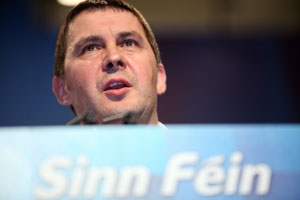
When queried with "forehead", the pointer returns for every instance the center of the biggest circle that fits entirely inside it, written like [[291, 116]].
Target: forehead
[[103, 20]]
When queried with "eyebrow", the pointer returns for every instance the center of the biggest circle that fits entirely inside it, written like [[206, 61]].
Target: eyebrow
[[124, 35]]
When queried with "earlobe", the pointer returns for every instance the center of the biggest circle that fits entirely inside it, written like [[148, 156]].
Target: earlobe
[[161, 79], [59, 89]]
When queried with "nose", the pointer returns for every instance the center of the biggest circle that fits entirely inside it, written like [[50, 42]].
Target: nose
[[114, 60]]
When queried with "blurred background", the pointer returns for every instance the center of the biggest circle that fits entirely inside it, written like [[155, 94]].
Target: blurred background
[[227, 61]]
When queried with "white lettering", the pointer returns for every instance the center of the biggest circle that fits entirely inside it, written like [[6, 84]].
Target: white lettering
[[57, 180], [141, 177], [263, 174], [78, 177], [209, 178], [212, 178], [233, 174], [175, 173], [107, 175]]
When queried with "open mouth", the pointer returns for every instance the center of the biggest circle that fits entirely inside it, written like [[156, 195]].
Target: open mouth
[[116, 85]]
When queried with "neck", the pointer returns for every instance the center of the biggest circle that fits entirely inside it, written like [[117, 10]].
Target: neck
[[147, 118]]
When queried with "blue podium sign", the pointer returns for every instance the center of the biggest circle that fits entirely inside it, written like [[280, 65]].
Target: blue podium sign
[[183, 162]]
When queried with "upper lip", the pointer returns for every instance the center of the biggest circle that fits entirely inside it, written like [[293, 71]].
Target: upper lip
[[111, 82]]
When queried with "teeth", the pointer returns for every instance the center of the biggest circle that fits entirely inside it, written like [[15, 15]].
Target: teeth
[[115, 84]]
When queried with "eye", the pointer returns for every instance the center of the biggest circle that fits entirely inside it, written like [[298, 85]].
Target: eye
[[89, 48], [129, 43]]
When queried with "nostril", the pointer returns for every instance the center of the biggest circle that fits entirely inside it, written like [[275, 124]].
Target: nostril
[[114, 65], [120, 64], [110, 65]]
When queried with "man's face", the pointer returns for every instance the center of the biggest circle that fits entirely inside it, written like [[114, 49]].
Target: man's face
[[110, 67]]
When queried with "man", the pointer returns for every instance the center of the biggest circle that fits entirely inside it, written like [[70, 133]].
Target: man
[[107, 61]]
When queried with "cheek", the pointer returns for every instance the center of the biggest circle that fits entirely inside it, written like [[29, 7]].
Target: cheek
[[79, 77], [146, 69]]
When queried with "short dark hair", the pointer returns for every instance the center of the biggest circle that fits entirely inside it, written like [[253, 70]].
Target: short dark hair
[[61, 45]]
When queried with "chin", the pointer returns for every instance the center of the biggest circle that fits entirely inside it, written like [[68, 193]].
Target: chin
[[136, 105], [107, 112]]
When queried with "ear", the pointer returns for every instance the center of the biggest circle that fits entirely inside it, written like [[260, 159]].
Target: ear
[[161, 79], [60, 91]]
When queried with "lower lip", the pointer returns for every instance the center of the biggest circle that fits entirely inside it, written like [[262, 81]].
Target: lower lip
[[117, 92]]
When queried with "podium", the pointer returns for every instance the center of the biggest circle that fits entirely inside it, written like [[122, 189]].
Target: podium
[[184, 162]]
